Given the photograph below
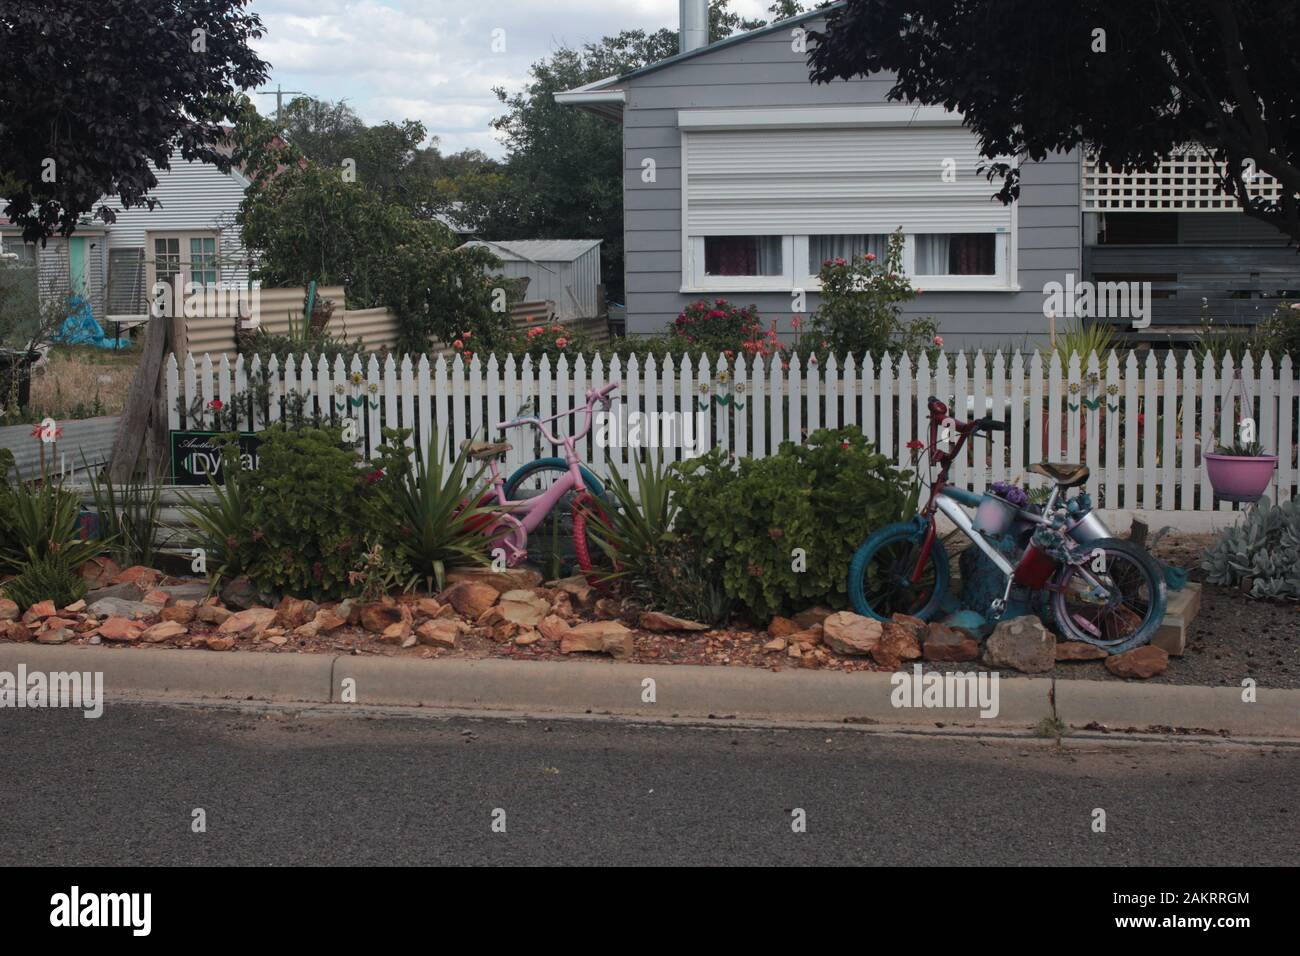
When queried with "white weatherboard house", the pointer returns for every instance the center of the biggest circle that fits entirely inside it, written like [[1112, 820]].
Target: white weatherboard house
[[563, 271], [741, 177], [112, 266]]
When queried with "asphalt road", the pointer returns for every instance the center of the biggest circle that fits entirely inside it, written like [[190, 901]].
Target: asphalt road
[[282, 787]]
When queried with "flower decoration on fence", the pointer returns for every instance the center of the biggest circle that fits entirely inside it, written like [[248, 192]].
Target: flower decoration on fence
[[718, 393]]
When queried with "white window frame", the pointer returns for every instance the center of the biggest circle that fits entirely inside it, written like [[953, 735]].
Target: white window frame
[[187, 267], [794, 248]]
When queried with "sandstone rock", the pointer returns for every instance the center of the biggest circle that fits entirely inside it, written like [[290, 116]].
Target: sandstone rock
[[812, 636], [1141, 662], [157, 598], [8, 610], [178, 614], [775, 645], [525, 608], [122, 592], [399, 633], [191, 591], [117, 607], [212, 614], [40, 611], [440, 632], [907, 620], [141, 577], [815, 615], [98, 572], [240, 594], [511, 579], [1022, 644], [1078, 651], [943, 643], [578, 588], [327, 621], [666, 623], [795, 651], [76, 607], [247, 624], [14, 631], [163, 631], [607, 609], [852, 634], [897, 644], [55, 635], [470, 598], [279, 640], [120, 629], [553, 627], [291, 612], [430, 608], [219, 643], [378, 618], [527, 638], [782, 627], [596, 637]]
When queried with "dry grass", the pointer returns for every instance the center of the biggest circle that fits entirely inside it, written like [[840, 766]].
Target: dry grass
[[82, 382]]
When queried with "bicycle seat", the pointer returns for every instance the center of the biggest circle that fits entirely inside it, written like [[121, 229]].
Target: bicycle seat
[[483, 450], [1065, 475]]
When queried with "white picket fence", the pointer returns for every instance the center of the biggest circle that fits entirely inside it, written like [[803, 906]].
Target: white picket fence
[[1140, 425]]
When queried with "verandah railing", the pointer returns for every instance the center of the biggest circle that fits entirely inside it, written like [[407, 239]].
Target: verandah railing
[[1139, 423]]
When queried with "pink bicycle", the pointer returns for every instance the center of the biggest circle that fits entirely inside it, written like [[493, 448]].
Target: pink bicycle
[[558, 496]]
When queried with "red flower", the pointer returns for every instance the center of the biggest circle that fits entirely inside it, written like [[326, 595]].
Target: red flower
[[216, 405], [374, 477], [915, 444], [458, 345]]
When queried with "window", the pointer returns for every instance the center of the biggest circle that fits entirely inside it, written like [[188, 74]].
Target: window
[[956, 254], [126, 282], [166, 259], [742, 256], [824, 248], [203, 261], [193, 256]]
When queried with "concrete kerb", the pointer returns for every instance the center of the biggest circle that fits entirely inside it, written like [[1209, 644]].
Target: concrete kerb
[[604, 687]]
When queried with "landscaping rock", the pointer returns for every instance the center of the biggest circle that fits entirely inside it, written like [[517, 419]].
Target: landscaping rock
[[525, 608], [8, 610], [76, 607], [327, 621], [294, 612], [194, 591], [247, 624], [399, 634], [378, 618], [511, 579], [897, 644], [121, 592], [470, 598], [163, 631], [607, 609], [178, 614], [430, 608], [440, 632], [666, 623], [98, 572], [212, 614], [143, 578], [598, 637], [782, 627], [851, 634], [240, 594], [527, 638], [120, 630], [219, 643], [918, 626], [40, 611], [811, 637], [117, 607], [157, 598], [578, 588], [554, 627], [815, 615], [1022, 644], [943, 643], [775, 645], [1078, 651], [1140, 663], [14, 631], [55, 635]]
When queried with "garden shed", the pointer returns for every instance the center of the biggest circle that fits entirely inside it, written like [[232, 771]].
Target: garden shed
[[563, 271]]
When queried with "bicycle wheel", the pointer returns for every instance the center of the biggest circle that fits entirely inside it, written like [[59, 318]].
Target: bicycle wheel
[[1128, 616], [592, 559], [880, 574], [550, 545]]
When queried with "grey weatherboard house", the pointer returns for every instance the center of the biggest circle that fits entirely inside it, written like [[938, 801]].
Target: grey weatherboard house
[[741, 176]]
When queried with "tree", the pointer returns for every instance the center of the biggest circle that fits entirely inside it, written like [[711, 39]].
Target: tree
[[1128, 81], [93, 90]]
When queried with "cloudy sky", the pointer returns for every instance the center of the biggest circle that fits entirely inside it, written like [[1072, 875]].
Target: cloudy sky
[[433, 60]]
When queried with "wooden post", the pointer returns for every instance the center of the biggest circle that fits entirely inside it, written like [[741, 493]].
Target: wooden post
[[143, 414]]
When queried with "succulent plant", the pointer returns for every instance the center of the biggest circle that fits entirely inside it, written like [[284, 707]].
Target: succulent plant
[[1262, 550]]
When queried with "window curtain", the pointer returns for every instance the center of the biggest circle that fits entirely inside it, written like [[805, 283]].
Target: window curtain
[[822, 248], [742, 256], [932, 254], [956, 254]]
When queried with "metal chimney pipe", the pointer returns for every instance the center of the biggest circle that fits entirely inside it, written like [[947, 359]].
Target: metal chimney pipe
[[694, 24]]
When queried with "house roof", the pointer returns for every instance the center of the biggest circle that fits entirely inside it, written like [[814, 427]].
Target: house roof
[[606, 97], [539, 250]]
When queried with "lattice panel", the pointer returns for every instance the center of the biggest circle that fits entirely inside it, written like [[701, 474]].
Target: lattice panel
[[1185, 182]]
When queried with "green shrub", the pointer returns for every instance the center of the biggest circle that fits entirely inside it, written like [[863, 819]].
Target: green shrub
[[823, 497], [1262, 551], [860, 311], [717, 326], [129, 517], [310, 510], [42, 521], [46, 579], [225, 521], [552, 339]]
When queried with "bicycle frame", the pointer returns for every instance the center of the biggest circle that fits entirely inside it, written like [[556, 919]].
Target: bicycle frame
[[525, 515]]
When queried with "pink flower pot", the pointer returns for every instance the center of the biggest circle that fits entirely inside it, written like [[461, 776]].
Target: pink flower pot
[[1239, 479]]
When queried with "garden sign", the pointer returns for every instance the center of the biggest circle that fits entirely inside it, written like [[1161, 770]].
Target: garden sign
[[196, 456]]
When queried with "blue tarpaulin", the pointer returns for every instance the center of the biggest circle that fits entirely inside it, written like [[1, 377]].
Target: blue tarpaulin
[[80, 328]]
